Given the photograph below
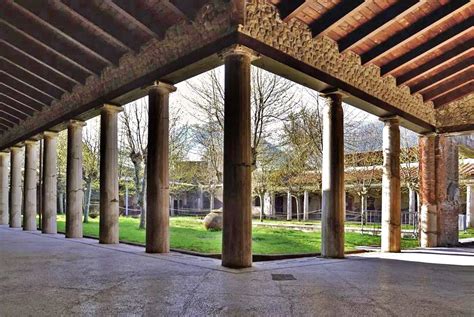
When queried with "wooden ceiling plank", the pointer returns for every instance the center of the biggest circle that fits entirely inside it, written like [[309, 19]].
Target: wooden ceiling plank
[[449, 84], [7, 123], [65, 21], [289, 8], [41, 53], [105, 21], [378, 22], [25, 89], [435, 62], [439, 15], [453, 33], [9, 117], [24, 99], [454, 95], [332, 17], [442, 75], [12, 111], [22, 20], [12, 103]]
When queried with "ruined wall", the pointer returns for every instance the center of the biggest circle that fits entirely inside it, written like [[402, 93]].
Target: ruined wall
[[295, 38]]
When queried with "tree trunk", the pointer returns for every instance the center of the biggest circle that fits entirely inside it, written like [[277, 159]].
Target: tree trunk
[[61, 203], [262, 205], [87, 205], [142, 201]]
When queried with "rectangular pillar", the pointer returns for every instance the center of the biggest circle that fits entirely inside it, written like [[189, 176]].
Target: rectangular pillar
[[333, 200], [50, 183], [30, 186], [15, 187], [289, 206], [470, 205], [391, 191], [109, 183], [237, 201], [157, 195], [4, 188], [439, 190], [74, 190]]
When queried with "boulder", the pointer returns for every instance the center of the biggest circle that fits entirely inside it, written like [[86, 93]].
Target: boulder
[[213, 221]]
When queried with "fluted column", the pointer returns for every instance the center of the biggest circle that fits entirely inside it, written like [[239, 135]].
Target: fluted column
[[157, 196], [30, 186], [237, 211], [50, 183], [75, 193], [109, 183], [4, 188], [333, 200], [15, 187], [391, 193]]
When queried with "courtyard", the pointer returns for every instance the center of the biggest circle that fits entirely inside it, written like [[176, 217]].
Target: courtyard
[[53, 276]]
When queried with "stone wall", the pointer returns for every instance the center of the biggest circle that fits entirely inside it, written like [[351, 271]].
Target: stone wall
[[460, 112], [294, 38]]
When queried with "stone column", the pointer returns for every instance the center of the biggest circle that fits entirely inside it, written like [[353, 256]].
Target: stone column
[[391, 193], [50, 183], [439, 191], [305, 205], [30, 186], [109, 183], [429, 213], [4, 188], [289, 206], [237, 200], [15, 187], [157, 196], [333, 200], [272, 202], [75, 193], [470, 205]]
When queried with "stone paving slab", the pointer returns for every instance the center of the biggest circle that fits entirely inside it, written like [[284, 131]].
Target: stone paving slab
[[48, 275]]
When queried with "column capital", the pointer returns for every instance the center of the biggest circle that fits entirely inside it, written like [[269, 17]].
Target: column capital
[[239, 50], [4, 152], [50, 134], [16, 147], [332, 91], [30, 141], [76, 123], [391, 119], [162, 87], [111, 108]]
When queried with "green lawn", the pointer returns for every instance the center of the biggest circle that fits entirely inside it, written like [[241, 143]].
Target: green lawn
[[469, 233], [188, 233], [318, 222]]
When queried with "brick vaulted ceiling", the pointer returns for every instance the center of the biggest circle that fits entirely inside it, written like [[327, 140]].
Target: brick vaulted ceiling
[[426, 45]]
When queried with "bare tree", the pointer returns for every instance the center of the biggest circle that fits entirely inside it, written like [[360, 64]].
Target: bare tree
[[272, 97], [91, 154]]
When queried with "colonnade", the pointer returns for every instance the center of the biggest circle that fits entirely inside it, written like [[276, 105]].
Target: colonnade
[[237, 216]]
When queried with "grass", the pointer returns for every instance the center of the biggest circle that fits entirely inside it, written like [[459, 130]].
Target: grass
[[355, 224], [469, 233], [188, 233]]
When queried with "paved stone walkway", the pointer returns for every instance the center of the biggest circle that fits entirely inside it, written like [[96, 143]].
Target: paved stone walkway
[[44, 275]]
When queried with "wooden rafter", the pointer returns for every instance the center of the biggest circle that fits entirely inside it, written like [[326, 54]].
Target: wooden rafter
[[449, 84], [454, 95]]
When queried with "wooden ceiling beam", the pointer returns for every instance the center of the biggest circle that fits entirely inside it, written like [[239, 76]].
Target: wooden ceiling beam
[[332, 17], [413, 30], [453, 33], [12, 111], [454, 95], [436, 62], [43, 54], [185, 9], [442, 75], [378, 22], [24, 88], [289, 8], [9, 117], [25, 22], [106, 21], [5, 122], [22, 98], [69, 25], [449, 84], [12, 103]]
